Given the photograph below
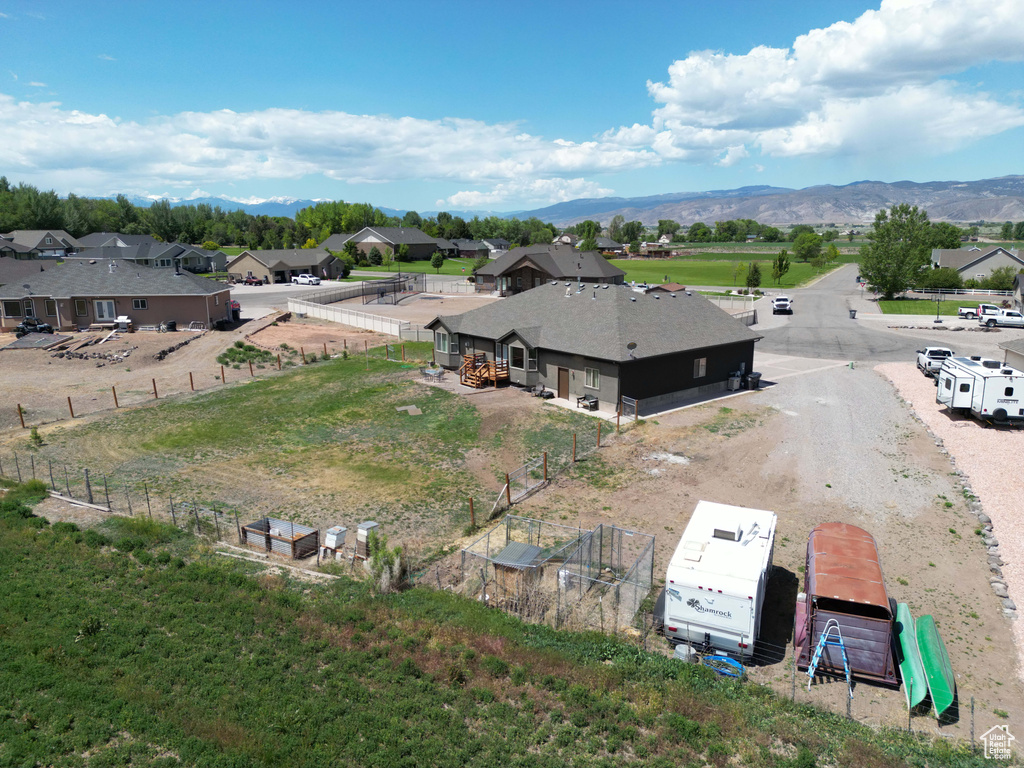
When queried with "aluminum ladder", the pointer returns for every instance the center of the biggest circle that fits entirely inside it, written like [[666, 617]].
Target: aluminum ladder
[[826, 640]]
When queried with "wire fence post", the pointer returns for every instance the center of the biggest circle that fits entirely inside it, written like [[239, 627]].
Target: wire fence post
[[191, 382], [21, 415], [251, 374], [32, 462], [145, 487], [17, 466], [174, 517], [113, 390], [472, 517], [545, 466], [599, 434], [67, 482], [216, 522], [238, 527], [106, 492], [52, 484], [508, 490], [302, 351], [155, 395], [195, 512], [573, 447], [88, 487], [222, 379], [70, 408], [129, 498]]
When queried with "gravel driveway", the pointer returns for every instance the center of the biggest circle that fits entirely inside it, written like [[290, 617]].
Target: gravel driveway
[[990, 459]]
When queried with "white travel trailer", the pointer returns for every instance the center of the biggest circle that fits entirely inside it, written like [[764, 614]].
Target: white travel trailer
[[987, 389], [716, 580]]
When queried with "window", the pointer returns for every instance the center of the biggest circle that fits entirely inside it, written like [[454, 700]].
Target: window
[[700, 367], [81, 308], [12, 309], [51, 307], [501, 352], [30, 310], [1008, 392], [441, 341], [532, 360], [518, 358], [140, 304], [479, 279], [947, 383], [216, 300], [965, 387], [519, 282], [49, 240], [592, 378], [163, 262]]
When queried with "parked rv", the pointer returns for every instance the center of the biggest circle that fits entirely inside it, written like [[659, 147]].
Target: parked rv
[[987, 389], [716, 580], [982, 309]]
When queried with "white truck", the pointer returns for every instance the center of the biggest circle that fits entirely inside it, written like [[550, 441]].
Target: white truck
[[989, 390], [982, 309], [1007, 317], [716, 580], [930, 359]]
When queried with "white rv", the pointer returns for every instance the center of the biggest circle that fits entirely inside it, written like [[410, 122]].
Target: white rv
[[716, 580], [987, 389]]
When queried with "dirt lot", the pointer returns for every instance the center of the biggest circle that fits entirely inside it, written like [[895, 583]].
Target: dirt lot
[[834, 444], [421, 308]]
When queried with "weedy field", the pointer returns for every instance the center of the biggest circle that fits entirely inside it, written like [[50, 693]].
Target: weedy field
[[321, 444], [130, 644]]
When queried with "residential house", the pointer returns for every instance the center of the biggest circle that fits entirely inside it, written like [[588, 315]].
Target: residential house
[[656, 250], [161, 255], [975, 262], [49, 243], [607, 245], [1013, 353], [566, 238], [14, 270], [496, 246], [101, 239], [80, 293], [606, 341], [666, 288], [280, 266], [14, 250], [472, 249], [419, 243], [447, 247], [532, 265]]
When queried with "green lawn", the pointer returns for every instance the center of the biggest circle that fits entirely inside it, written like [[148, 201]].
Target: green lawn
[[692, 272], [451, 267], [132, 644], [921, 307]]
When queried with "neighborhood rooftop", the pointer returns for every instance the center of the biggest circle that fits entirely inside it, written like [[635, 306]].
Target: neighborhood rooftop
[[601, 320], [559, 261], [81, 277]]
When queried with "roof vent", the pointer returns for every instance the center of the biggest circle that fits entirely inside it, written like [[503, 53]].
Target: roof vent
[[594, 296], [975, 357], [689, 294], [605, 286], [657, 296], [672, 295], [632, 298], [1007, 371], [991, 363]]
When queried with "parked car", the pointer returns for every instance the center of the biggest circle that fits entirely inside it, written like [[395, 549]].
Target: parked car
[[251, 280], [782, 304], [982, 309], [930, 359], [31, 325], [305, 279], [1005, 317]]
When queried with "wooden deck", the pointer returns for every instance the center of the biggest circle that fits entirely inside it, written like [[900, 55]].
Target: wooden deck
[[477, 371]]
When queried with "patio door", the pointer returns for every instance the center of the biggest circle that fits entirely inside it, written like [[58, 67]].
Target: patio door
[[105, 311], [563, 383]]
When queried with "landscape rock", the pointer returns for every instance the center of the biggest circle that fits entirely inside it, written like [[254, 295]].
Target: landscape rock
[[1000, 590]]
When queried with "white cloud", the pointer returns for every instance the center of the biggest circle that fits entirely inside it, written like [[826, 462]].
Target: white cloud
[[106, 57], [36, 84], [528, 191], [91, 153], [877, 84]]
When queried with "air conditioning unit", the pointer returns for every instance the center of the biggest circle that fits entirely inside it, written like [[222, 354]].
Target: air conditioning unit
[[734, 383]]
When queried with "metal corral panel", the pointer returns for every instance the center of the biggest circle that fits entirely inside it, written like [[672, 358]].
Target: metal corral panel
[[282, 537], [518, 555]]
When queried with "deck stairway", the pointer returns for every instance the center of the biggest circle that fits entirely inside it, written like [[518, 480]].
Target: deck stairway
[[477, 371]]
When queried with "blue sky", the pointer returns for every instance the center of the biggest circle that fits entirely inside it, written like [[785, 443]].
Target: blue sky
[[505, 106]]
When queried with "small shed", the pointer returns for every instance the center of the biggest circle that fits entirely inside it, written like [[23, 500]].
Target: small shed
[[281, 537], [843, 581], [515, 569]]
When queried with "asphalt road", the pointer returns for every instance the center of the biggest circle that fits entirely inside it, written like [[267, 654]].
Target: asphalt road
[[820, 326]]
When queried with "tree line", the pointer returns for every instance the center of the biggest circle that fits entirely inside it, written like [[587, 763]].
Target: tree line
[[23, 206]]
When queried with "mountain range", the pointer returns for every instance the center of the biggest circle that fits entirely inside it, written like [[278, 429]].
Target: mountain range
[[992, 200]]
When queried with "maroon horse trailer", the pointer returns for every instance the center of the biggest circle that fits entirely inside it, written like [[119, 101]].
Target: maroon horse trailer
[[843, 581]]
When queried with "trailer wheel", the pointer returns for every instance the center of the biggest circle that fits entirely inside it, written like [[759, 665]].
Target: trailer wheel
[[999, 414]]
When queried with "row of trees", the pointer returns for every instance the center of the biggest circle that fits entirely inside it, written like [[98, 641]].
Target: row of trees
[[1011, 231], [23, 206], [898, 254]]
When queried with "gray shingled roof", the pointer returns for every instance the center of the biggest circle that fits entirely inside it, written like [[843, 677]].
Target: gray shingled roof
[[36, 238], [290, 258], [1017, 345], [152, 250], [560, 261], [16, 270], [600, 321], [958, 258], [97, 239], [79, 278]]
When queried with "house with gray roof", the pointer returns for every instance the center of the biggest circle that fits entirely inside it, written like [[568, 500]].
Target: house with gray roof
[[1013, 353], [83, 292], [101, 239], [975, 262], [529, 266], [602, 340], [420, 244], [49, 243], [14, 250], [281, 265], [160, 255], [607, 245]]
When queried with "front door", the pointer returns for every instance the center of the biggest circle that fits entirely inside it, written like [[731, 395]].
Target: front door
[[105, 311], [563, 383]]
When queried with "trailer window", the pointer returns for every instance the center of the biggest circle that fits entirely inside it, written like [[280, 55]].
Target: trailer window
[[947, 383], [965, 387], [1008, 392]]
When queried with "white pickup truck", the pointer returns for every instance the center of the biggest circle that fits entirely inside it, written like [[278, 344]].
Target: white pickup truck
[[982, 309], [930, 359], [1004, 317]]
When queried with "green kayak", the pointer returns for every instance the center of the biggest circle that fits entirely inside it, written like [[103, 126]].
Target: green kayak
[[915, 686], [937, 668]]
